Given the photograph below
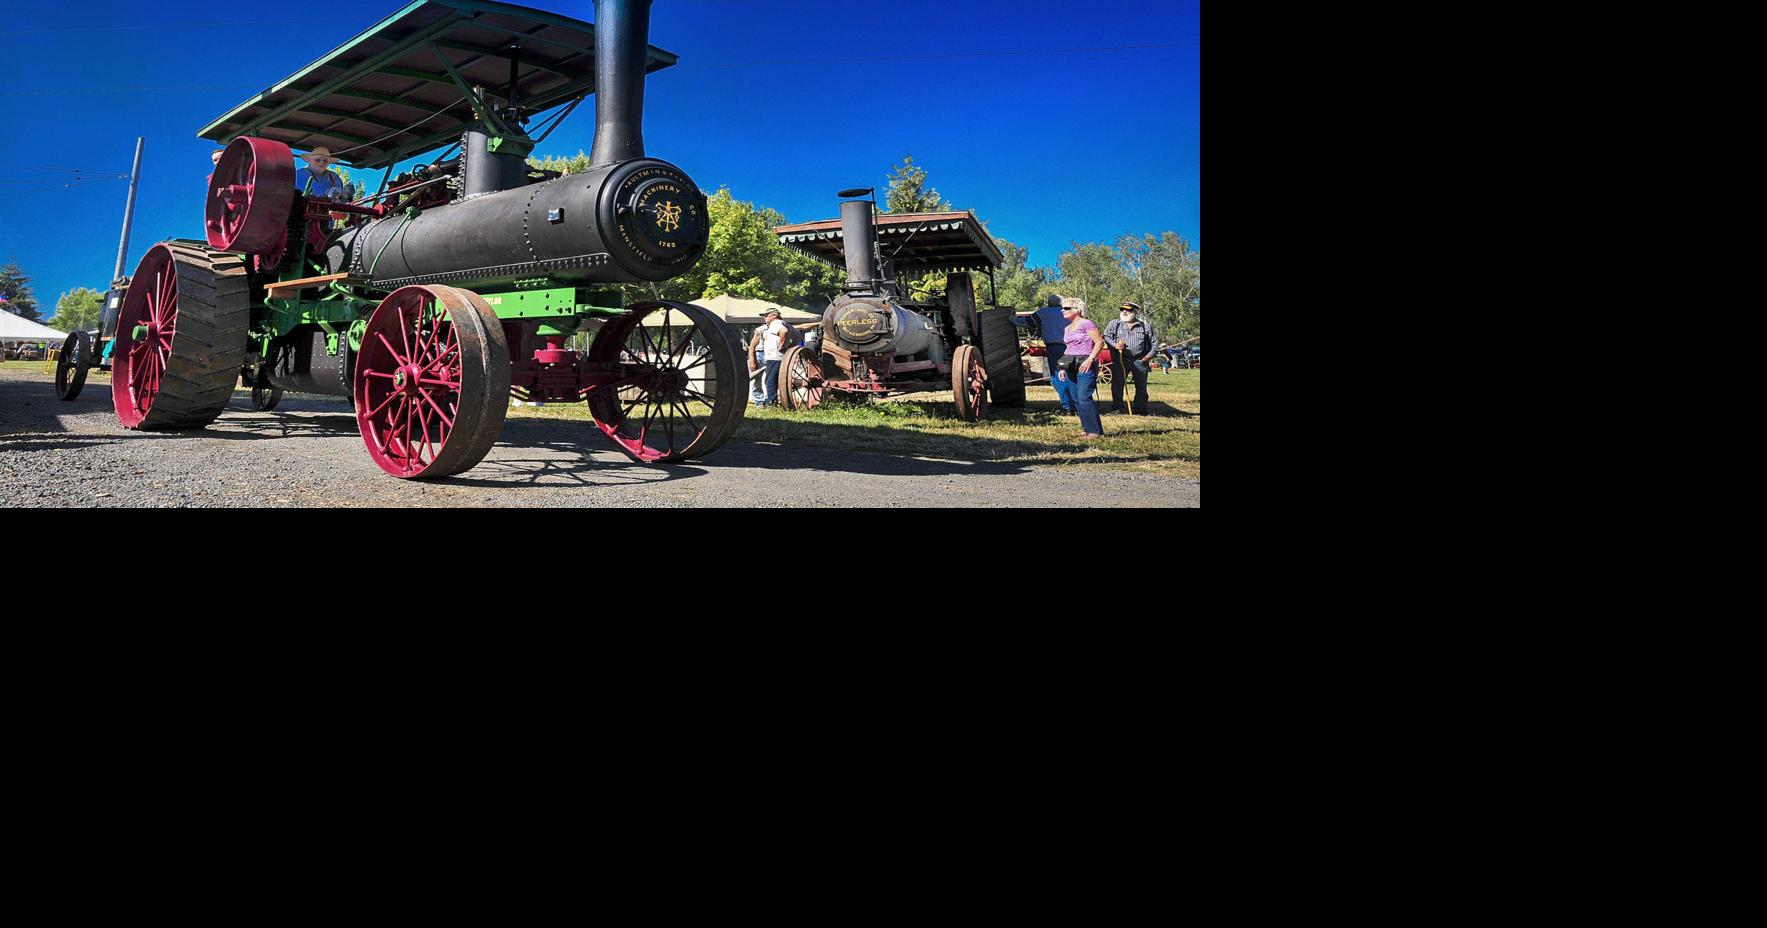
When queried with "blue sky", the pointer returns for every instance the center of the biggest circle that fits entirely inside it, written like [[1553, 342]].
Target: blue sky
[[1062, 143]]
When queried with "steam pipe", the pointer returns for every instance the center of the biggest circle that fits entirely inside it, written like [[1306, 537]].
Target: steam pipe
[[622, 49]]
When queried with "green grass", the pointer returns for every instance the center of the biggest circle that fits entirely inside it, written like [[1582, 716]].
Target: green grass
[[925, 425]]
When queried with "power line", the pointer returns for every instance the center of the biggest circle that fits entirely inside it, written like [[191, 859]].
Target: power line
[[45, 167], [1035, 51], [776, 62]]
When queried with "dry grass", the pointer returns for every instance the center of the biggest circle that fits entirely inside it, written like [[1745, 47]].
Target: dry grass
[[1169, 442]]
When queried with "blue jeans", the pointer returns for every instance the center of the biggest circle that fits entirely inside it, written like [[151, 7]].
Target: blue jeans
[[1083, 384], [757, 393], [1126, 368], [772, 384], [1064, 389]]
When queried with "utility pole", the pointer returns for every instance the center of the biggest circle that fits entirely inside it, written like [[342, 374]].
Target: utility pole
[[128, 212]]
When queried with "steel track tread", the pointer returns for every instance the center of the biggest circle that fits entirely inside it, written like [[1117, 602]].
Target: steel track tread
[[1000, 357], [214, 313]]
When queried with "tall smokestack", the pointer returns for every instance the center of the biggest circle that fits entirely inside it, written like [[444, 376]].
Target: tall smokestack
[[859, 240], [622, 46]]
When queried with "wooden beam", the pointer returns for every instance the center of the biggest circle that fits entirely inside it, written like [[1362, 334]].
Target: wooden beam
[[306, 282]]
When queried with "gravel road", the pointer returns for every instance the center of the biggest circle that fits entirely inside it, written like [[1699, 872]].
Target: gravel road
[[308, 453]]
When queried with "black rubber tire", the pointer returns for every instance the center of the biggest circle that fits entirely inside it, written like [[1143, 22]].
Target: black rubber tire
[[71, 367], [1000, 357], [214, 313], [265, 395]]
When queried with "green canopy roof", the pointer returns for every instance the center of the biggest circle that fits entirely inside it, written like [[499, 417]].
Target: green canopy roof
[[394, 91]]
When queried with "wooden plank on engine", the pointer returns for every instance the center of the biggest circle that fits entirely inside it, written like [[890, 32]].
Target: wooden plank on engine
[[306, 282]]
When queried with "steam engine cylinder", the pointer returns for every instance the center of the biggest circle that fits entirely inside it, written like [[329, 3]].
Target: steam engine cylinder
[[632, 222]]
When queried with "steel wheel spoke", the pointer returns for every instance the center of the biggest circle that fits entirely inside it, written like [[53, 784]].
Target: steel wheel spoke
[[432, 403], [391, 350]]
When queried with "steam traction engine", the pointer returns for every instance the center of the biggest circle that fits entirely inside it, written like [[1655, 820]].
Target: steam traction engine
[[876, 341], [458, 283]]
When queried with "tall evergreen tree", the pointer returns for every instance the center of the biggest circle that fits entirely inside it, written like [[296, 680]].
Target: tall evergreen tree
[[909, 193], [16, 288]]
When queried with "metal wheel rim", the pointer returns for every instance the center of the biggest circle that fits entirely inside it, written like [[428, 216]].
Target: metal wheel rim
[[136, 374], [662, 416], [799, 371], [425, 380]]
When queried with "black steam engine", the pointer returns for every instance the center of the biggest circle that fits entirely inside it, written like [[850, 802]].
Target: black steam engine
[[877, 341], [460, 284]]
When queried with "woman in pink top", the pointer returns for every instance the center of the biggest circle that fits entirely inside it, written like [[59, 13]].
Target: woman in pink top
[[1080, 364]]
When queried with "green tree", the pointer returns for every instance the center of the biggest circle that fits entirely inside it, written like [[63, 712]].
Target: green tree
[[78, 308], [1016, 283], [909, 193], [561, 163], [15, 286], [1162, 273]]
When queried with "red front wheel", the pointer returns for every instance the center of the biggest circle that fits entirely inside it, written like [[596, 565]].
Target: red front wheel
[[432, 382]]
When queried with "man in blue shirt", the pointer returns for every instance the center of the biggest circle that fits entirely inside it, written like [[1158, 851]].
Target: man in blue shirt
[[1054, 326], [317, 179]]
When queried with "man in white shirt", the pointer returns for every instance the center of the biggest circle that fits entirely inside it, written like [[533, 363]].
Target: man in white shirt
[[773, 338]]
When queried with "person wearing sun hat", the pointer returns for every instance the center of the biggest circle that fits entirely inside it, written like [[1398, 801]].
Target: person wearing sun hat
[[317, 178], [1133, 344]]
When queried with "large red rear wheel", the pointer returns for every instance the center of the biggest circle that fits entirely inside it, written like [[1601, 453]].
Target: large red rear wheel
[[249, 196], [432, 382], [181, 337], [684, 393]]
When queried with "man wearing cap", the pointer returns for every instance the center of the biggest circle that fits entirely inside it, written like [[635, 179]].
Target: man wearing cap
[[317, 179], [772, 337], [1133, 344]]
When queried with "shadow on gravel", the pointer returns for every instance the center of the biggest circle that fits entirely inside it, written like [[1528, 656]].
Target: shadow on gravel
[[28, 406], [35, 442], [549, 473]]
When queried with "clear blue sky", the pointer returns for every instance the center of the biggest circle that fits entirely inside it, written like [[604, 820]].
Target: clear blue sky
[[1049, 148]]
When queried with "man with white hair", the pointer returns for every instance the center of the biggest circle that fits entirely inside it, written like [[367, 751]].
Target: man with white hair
[[317, 178]]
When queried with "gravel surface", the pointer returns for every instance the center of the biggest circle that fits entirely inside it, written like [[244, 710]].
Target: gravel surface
[[308, 453]]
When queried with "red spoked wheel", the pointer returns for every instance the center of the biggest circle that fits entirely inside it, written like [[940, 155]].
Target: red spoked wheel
[[969, 383], [800, 380], [680, 394], [249, 196], [432, 382], [181, 337]]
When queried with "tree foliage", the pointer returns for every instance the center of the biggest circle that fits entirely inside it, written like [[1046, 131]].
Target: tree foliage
[[909, 193], [78, 308], [15, 286], [562, 164]]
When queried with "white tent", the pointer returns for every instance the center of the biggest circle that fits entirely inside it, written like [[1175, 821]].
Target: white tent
[[19, 329], [740, 312]]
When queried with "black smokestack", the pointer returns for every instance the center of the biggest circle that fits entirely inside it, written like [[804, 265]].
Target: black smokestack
[[859, 238], [622, 47]]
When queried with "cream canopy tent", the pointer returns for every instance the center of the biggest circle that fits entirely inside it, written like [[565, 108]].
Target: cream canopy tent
[[740, 312], [19, 329]]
